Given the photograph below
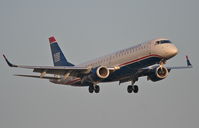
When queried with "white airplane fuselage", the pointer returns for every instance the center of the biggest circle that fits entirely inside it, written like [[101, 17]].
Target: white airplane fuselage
[[127, 60], [128, 65]]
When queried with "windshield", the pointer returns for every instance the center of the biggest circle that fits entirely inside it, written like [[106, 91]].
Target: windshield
[[163, 41]]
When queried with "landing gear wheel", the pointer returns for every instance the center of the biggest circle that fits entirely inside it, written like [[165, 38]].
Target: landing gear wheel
[[135, 89], [97, 89], [91, 89], [130, 89]]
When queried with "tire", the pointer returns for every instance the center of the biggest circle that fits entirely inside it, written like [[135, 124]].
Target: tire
[[135, 89], [90, 89], [97, 89], [130, 89]]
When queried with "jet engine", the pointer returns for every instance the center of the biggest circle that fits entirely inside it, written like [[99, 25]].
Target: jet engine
[[158, 73], [97, 74], [102, 72]]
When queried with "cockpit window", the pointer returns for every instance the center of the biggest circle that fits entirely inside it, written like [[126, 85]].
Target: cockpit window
[[165, 41], [162, 42]]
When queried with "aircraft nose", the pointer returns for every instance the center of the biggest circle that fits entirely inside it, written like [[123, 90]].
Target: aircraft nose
[[173, 51]]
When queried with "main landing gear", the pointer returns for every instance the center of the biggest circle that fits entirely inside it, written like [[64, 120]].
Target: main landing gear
[[95, 89], [132, 88]]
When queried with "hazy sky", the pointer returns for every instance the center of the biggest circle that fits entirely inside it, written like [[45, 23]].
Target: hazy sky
[[86, 29]]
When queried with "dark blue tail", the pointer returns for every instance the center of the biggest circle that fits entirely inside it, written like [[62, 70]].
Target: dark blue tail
[[58, 56]]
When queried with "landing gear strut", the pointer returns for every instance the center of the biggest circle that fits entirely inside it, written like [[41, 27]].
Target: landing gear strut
[[93, 88]]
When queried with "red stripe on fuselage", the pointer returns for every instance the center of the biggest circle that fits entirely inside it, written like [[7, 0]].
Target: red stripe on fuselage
[[142, 58]]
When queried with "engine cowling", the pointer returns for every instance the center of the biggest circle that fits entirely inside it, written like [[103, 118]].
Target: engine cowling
[[158, 73], [97, 74], [102, 72]]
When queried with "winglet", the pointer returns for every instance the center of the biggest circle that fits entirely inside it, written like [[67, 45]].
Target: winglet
[[188, 62], [9, 64]]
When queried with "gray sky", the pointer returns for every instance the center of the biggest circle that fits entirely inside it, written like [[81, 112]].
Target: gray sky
[[87, 29]]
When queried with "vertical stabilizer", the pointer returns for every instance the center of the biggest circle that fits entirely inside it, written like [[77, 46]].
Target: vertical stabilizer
[[57, 55]]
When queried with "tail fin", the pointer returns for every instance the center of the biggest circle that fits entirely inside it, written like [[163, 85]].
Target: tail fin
[[58, 56]]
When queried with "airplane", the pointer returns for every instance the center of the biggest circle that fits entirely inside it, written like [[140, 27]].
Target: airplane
[[127, 65]]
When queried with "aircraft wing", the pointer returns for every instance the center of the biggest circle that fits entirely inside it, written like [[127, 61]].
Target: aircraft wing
[[189, 65], [57, 70], [145, 71]]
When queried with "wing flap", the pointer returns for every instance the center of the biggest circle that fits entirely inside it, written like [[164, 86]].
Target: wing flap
[[180, 67], [34, 76], [62, 70]]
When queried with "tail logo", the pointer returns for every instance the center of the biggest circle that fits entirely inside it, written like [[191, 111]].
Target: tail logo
[[57, 57]]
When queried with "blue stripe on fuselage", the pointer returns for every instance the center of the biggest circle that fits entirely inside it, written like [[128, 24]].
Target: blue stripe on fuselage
[[131, 69], [128, 70]]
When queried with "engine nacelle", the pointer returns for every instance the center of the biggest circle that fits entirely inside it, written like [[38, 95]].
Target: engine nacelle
[[102, 72], [158, 73], [97, 74]]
